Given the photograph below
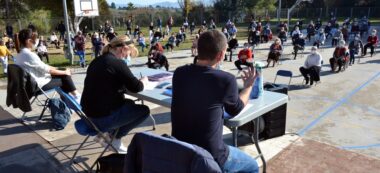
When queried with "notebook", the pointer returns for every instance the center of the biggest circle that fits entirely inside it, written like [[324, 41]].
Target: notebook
[[160, 77]]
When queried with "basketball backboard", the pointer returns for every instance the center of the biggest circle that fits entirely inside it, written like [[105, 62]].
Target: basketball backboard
[[86, 8]]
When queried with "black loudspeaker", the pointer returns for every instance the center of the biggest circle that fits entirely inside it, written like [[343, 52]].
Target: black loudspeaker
[[275, 122]]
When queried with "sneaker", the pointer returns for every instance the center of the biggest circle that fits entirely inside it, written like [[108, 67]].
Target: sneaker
[[119, 146]]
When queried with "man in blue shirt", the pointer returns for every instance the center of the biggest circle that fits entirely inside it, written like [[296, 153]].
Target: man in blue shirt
[[201, 94]]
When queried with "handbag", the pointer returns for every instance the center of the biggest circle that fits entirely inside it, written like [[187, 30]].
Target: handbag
[[113, 163]]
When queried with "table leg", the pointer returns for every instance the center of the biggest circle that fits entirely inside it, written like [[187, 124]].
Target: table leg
[[256, 141], [234, 136]]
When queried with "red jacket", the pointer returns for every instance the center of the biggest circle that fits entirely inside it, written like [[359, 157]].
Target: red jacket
[[372, 39], [246, 52], [341, 51]]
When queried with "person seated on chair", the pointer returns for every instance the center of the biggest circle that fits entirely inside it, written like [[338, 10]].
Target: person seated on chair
[[4, 55], [354, 47], [107, 79], [312, 67], [282, 35], [159, 59], [46, 77], [296, 34], [54, 40], [274, 52], [194, 50], [299, 44], [171, 42], [371, 42], [310, 30], [266, 34], [141, 41], [42, 51], [320, 38], [245, 57], [340, 56], [111, 35], [336, 37], [232, 45], [200, 94], [178, 38], [355, 28]]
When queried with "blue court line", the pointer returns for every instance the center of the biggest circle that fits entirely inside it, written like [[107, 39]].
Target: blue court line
[[361, 147], [336, 105]]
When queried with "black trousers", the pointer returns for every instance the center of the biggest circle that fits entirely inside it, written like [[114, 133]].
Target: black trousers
[[296, 48], [311, 73], [369, 45], [336, 61], [43, 54], [230, 51], [238, 64], [65, 82]]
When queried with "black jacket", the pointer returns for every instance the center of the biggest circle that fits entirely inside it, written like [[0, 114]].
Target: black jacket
[[21, 87]]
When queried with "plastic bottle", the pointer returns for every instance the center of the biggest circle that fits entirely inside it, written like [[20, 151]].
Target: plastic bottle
[[258, 87]]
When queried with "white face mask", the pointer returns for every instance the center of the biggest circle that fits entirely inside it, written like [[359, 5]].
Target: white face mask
[[373, 33], [313, 52], [127, 60], [357, 39]]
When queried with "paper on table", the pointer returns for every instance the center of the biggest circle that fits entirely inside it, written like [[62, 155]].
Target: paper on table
[[150, 85], [228, 116]]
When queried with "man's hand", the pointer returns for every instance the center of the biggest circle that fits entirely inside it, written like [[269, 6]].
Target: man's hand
[[68, 72], [144, 80], [249, 77]]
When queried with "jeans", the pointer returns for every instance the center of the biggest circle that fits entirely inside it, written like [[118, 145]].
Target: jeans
[[4, 61], [81, 55], [125, 118], [142, 46], [238, 161], [352, 56]]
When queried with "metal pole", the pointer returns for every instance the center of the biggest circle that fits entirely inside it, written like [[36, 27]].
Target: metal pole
[[69, 46], [288, 18], [369, 12], [352, 11], [279, 11]]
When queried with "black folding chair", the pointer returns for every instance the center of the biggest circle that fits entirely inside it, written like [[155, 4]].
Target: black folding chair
[[19, 79]]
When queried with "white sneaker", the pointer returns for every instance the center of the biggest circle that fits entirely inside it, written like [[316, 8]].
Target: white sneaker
[[119, 146]]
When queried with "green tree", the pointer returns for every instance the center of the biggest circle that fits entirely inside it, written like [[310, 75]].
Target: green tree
[[130, 6], [113, 5]]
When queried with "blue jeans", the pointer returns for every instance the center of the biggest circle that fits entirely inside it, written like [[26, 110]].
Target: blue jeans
[[81, 57], [142, 46], [238, 161], [125, 118]]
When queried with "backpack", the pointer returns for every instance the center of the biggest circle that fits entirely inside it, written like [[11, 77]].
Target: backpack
[[60, 113]]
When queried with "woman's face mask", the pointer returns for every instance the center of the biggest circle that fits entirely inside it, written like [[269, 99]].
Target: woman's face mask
[[313, 52], [373, 33]]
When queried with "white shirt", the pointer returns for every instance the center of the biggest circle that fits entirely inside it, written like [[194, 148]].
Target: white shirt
[[313, 60], [53, 38], [31, 63], [42, 48]]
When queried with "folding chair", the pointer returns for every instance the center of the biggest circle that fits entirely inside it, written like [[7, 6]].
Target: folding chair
[[284, 73], [18, 78], [86, 127]]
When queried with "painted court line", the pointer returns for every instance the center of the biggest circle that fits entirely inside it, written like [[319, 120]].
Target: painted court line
[[336, 105], [361, 147]]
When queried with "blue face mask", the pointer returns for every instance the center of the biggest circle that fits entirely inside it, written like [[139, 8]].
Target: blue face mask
[[127, 60]]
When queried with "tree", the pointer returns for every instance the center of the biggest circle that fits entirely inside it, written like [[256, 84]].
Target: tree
[[130, 6], [113, 5], [186, 6]]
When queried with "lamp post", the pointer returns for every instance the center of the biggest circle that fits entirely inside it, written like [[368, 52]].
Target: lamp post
[[279, 11], [68, 37]]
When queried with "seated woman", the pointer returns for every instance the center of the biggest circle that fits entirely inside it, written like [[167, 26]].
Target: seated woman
[[245, 57], [141, 41], [54, 40], [159, 59], [320, 38], [108, 78], [282, 35], [372, 40], [340, 56], [299, 44], [275, 52], [232, 45], [354, 47], [47, 77], [312, 67], [171, 42], [42, 51]]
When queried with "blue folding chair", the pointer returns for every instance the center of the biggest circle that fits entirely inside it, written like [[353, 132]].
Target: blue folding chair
[[284, 73], [86, 127]]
